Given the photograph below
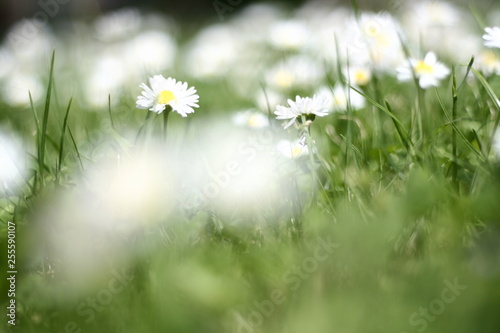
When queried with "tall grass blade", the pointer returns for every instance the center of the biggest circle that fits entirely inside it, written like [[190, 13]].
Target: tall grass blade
[[61, 142], [43, 134], [76, 147]]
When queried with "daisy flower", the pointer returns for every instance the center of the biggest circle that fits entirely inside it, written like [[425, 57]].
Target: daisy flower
[[292, 149], [492, 37], [289, 35], [358, 75], [307, 106], [165, 92], [488, 62], [251, 119], [341, 97], [12, 166], [428, 71]]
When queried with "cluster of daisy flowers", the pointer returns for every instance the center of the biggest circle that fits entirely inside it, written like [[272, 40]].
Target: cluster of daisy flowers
[[287, 51], [280, 62]]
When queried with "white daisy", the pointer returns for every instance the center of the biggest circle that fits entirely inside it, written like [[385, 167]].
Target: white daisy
[[428, 71], [165, 92], [315, 106], [492, 37]]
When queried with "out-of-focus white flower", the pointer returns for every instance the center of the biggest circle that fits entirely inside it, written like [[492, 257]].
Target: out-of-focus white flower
[[374, 37], [212, 52], [434, 13], [117, 199], [251, 118], [132, 189], [231, 169], [428, 71], [292, 149], [107, 78], [151, 50], [297, 71], [358, 75], [341, 98], [165, 92], [488, 62], [120, 24], [289, 35], [31, 41], [255, 20], [17, 87], [441, 26], [6, 62], [492, 37], [12, 163], [330, 36], [307, 106]]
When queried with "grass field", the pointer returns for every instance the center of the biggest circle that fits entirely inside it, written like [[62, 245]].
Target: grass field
[[376, 210]]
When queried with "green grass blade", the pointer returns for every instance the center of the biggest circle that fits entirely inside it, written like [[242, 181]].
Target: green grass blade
[[403, 136], [454, 165], [355, 7], [75, 146], [455, 128], [109, 111], [353, 148], [43, 135], [381, 107], [469, 66], [61, 142], [477, 16], [495, 101], [37, 124], [37, 120], [488, 88]]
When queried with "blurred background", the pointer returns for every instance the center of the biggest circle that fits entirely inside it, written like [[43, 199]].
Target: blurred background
[[192, 10]]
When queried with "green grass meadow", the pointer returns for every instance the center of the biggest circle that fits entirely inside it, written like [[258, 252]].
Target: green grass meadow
[[391, 222]]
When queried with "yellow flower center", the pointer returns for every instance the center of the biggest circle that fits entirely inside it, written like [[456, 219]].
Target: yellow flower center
[[296, 151], [489, 58], [372, 29], [165, 97], [283, 79], [422, 68], [253, 121], [361, 77]]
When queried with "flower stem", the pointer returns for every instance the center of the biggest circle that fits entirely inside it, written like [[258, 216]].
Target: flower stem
[[165, 122], [310, 146]]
